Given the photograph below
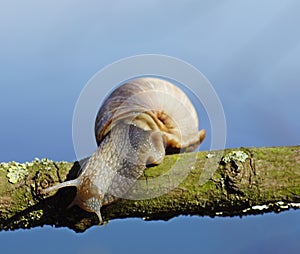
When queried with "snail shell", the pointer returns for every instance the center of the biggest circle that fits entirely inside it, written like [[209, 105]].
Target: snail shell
[[137, 124]]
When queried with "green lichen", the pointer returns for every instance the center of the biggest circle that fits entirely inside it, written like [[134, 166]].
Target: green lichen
[[35, 215], [27, 220], [235, 156], [16, 171], [47, 163]]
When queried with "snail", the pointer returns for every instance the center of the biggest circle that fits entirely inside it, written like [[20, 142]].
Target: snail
[[138, 123]]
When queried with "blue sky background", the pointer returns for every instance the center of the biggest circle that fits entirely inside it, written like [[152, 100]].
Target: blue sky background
[[249, 50]]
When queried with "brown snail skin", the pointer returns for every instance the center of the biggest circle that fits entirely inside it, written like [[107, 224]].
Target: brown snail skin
[[137, 125]]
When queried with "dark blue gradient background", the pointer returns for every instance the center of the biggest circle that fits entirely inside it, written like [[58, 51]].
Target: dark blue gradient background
[[249, 50]]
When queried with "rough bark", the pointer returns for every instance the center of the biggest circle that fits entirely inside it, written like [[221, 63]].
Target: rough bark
[[245, 181]]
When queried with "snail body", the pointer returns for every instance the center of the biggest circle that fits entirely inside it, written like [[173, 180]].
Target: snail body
[[137, 125]]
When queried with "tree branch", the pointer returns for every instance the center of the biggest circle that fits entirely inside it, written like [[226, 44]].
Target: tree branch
[[245, 181]]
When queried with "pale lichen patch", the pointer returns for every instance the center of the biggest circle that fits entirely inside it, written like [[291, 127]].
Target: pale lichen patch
[[284, 205], [235, 156], [294, 205], [259, 207], [16, 171], [279, 204], [47, 163]]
